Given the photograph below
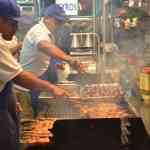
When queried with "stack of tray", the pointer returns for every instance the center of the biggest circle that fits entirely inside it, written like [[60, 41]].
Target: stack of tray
[[37, 131]]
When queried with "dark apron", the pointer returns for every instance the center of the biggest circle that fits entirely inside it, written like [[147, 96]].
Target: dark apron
[[9, 122]]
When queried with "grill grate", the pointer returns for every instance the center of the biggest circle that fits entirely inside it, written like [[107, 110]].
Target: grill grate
[[64, 109], [88, 101]]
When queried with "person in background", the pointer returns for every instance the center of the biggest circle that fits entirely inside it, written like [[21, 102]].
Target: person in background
[[12, 72], [39, 47], [85, 7]]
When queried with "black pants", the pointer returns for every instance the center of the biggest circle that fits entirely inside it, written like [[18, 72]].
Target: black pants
[[9, 127]]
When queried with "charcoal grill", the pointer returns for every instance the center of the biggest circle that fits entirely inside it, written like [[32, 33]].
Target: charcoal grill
[[74, 129]]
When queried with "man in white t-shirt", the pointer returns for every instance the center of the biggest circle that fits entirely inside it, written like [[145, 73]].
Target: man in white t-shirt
[[11, 71], [39, 46]]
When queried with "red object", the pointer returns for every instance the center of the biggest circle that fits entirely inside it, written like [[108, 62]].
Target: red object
[[146, 70], [132, 60], [120, 12]]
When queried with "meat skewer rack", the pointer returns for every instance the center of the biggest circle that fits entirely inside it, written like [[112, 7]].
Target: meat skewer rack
[[88, 101]]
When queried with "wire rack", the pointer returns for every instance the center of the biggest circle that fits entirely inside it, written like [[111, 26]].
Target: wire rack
[[81, 105]]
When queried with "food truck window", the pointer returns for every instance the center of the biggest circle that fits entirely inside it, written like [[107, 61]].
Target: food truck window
[[73, 8], [77, 7]]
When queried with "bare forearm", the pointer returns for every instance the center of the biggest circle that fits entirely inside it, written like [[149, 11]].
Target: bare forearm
[[54, 51], [28, 80]]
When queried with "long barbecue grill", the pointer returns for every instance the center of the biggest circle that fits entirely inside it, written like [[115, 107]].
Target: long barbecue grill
[[88, 101]]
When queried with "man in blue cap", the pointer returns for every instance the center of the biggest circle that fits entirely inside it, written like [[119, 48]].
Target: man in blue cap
[[11, 71], [39, 47]]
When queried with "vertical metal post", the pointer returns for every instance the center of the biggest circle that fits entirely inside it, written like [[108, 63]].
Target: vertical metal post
[[94, 20], [101, 57], [98, 51]]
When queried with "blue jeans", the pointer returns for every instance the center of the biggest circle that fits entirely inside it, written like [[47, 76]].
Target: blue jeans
[[9, 119], [52, 71], [49, 75], [36, 105]]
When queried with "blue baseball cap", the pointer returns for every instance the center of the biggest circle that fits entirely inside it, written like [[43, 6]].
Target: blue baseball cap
[[54, 10], [10, 9]]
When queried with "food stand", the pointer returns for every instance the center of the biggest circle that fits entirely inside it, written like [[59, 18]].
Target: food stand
[[104, 107]]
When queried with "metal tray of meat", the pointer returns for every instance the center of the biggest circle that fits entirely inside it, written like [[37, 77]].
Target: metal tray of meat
[[88, 92], [88, 101], [73, 109]]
